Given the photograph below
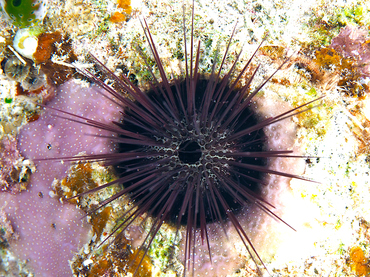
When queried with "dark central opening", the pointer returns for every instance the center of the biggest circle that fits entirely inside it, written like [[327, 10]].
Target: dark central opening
[[189, 152], [179, 170], [16, 3]]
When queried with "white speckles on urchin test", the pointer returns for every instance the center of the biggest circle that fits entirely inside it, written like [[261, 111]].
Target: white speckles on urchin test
[[50, 232]]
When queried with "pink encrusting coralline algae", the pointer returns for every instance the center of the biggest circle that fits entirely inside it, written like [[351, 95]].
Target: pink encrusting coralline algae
[[49, 232], [353, 42]]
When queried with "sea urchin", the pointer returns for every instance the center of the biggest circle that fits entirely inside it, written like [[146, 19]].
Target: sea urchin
[[190, 151]]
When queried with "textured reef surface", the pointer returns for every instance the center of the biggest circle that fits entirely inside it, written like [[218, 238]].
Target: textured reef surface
[[43, 235]]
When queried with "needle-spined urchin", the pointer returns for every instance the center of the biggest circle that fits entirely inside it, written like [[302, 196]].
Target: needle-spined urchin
[[190, 151]]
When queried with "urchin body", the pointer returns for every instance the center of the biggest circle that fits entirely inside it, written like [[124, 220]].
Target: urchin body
[[191, 151]]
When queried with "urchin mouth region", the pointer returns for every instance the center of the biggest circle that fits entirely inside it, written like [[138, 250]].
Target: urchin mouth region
[[191, 154]]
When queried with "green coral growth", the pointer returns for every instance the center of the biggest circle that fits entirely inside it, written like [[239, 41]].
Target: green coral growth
[[163, 247], [3, 240], [23, 12], [354, 14], [312, 92], [325, 26]]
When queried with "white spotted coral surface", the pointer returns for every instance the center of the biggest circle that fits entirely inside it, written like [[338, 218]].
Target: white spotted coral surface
[[50, 232]]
